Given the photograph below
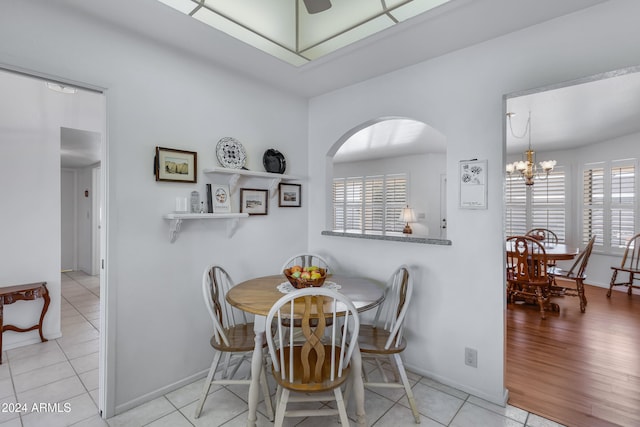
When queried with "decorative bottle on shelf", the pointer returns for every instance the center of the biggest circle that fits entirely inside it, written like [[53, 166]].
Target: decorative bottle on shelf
[[202, 207]]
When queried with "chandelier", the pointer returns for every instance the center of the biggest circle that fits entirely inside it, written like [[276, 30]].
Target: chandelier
[[528, 168]]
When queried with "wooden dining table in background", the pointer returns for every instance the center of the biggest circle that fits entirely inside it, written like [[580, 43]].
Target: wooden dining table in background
[[555, 251], [257, 296]]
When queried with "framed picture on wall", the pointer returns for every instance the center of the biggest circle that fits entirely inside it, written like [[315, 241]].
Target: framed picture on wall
[[253, 201], [289, 195], [176, 165], [473, 184]]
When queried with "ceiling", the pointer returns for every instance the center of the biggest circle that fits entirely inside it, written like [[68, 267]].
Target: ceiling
[[299, 31], [391, 138], [451, 26], [79, 148], [574, 114]]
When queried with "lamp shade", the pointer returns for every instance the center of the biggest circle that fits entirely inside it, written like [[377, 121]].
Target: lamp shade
[[407, 215]]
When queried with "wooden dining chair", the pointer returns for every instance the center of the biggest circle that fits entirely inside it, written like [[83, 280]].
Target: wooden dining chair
[[527, 277], [630, 265], [315, 369], [543, 234], [547, 237], [306, 260], [383, 342], [576, 274], [233, 336]]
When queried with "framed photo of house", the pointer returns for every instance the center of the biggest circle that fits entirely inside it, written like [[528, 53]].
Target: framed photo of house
[[253, 201], [290, 195], [221, 198], [176, 165], [473, 184]]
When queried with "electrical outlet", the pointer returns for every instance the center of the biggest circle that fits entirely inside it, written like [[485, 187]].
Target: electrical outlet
[[471, 357]]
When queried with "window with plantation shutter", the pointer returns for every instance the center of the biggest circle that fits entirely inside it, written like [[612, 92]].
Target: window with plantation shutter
[[609, 203], [516, 214], [369, 204], [549, 204], [622, 204], [395, 200], [593, 203], [542, 205]]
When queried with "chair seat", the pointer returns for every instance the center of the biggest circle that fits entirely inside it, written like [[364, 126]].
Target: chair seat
[[373, 340], [241, 338], [298, 369]]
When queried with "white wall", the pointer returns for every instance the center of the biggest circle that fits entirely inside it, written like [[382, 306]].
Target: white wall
[[85, 219], [424, 184], [459, 295], [157, 97]]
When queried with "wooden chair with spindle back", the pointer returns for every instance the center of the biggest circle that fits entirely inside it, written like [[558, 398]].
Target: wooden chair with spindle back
[[630, 265], [577, 274], [233, 336], [313, 369], [527, 277]]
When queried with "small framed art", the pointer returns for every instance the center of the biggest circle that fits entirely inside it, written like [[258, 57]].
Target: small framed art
[[473, 184], [254, 202], [176, 165], [290, 195]]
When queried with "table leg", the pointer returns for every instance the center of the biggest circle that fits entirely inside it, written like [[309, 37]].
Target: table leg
[[256, 367], [358, 386]]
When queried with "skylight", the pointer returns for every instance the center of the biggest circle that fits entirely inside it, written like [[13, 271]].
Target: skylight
[[287, 30]]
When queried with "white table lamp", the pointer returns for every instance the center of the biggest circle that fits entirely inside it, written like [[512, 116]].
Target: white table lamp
[[407, 215]]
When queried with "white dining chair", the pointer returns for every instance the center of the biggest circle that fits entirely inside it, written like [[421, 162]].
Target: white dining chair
[[312, 370], [306, 260], [233, 336], [382, 342]]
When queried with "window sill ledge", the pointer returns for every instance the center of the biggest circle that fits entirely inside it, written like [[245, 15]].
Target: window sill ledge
[[403, 239]]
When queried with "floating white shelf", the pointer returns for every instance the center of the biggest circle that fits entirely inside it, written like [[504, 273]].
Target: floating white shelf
[[236, 174], [177, 218]]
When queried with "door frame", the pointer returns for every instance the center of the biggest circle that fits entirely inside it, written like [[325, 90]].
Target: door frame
[[106, 355]]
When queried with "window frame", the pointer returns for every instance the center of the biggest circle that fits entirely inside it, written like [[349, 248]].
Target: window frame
[[605, 243]]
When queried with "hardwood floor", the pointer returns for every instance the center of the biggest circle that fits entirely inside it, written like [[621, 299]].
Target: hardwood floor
[[579, 369]]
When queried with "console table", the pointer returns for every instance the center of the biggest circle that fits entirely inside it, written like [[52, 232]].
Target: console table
[[28, 292]]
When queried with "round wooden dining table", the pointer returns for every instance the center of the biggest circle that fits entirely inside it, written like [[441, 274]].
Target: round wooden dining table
[[555, 251], [257, 296]]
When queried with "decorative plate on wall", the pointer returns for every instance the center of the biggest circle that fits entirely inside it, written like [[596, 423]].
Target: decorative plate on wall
[[273, 161], [230, 153]]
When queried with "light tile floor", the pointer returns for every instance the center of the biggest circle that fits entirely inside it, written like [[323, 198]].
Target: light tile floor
[[66, 371]]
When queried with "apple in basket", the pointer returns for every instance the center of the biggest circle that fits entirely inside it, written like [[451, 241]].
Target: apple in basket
[[305, 277]]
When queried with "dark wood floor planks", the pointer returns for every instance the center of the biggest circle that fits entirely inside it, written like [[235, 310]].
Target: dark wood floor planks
[[579, 369]]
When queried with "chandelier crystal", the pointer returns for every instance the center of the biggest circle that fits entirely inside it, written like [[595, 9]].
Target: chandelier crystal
[[527, 167]]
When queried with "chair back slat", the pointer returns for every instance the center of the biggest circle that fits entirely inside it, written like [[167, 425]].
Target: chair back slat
[[307, 360]]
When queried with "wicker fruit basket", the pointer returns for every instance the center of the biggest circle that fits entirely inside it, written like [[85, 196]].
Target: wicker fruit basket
[[299, 282]]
